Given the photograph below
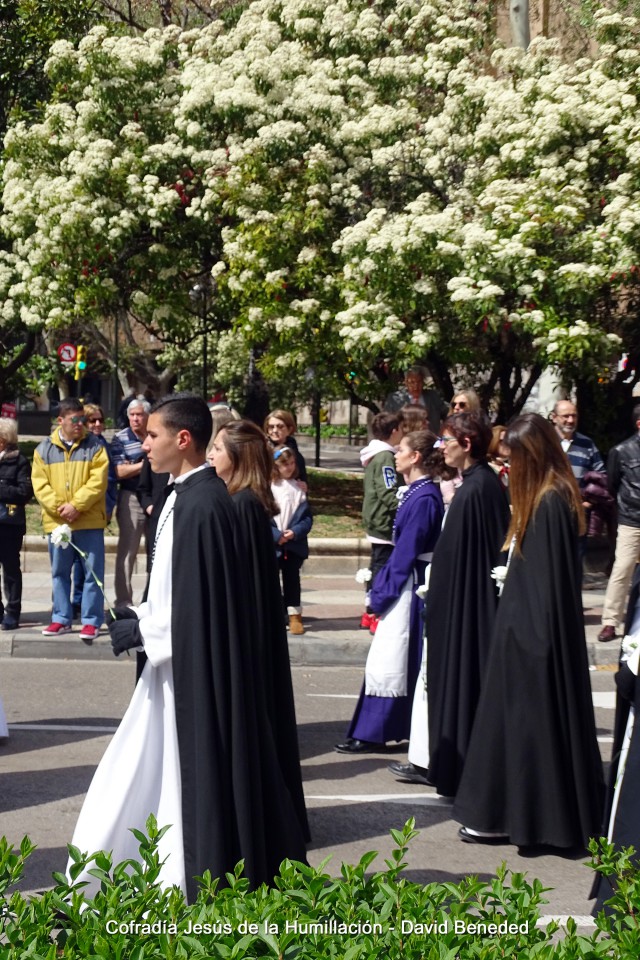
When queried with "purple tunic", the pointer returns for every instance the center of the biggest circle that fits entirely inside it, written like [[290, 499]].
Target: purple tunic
[[416, 530]]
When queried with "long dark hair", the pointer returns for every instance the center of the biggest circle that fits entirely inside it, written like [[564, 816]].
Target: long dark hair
[[538, 464], [252, 461]]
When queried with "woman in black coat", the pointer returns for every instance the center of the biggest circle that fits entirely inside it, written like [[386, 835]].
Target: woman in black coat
[[15, 492]]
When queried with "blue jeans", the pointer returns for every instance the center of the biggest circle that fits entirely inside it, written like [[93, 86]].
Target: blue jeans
[[92, 610]]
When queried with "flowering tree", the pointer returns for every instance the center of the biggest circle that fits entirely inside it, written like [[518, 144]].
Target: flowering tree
[[355, 186]]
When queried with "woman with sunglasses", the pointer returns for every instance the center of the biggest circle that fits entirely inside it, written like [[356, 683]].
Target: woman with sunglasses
[[462, 598], [465, 400], [95, 425]]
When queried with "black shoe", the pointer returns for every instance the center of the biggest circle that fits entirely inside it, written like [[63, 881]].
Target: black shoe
[[410, 773], [358, 746], [467, 837], [9, 624]]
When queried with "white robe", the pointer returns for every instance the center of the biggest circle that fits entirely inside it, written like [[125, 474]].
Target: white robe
[[140, 772]]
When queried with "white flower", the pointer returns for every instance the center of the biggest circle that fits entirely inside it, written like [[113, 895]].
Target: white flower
[[629, 646], [499, 574], [363, 575], [61, 536]]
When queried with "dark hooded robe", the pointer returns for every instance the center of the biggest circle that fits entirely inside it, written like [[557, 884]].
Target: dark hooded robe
[[533, 770], [461, 606], [262, 609]]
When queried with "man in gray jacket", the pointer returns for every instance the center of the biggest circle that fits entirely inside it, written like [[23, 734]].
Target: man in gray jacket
[[623, 474]]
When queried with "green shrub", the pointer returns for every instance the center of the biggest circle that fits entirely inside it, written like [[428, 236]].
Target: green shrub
[[383, 914]]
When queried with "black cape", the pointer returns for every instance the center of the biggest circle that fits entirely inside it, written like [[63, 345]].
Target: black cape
[[460, 612], [265, 619], [235, 802], [533, 769], [625, 829]]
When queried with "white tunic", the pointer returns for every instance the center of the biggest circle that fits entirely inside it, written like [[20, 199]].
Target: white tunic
[[140, 771]]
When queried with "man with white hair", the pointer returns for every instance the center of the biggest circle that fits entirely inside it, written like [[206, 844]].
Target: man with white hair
[[128, 456]]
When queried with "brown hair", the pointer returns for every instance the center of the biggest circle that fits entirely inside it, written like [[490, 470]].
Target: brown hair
[[252, 461], [431, 457], [283, 454], [475, 428], [413, 417], [287, 418], [383, 424], [538, 464], [496, 440]]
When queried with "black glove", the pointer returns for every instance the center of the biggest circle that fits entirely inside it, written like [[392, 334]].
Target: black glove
[[121, 613], [626, 683], [125, 635]]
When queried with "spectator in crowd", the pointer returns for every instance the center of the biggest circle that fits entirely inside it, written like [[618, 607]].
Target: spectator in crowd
[[380, 501], [533, 773], [413, 392], [383, 711], [95, 425], [280, 427], [413, 417], [15, 492], [462, 598], [128, 457], [242, 457], [70, 476], [582, 452], [465, 400], [195, 746], [293, 521], [623, 474]]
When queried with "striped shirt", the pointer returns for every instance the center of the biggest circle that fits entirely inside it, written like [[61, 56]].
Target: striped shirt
[[583, 455]]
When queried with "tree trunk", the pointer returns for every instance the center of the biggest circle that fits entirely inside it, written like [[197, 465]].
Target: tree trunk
[[519, 18]]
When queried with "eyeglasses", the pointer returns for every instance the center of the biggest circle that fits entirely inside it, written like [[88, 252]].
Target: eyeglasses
[[76, 420], [96, 420], [459, 403], [446, 440]]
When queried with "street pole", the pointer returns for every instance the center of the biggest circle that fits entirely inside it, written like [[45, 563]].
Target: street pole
[[316, 414]]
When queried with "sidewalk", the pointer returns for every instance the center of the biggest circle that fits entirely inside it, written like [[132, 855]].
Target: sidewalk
[[332, 606]]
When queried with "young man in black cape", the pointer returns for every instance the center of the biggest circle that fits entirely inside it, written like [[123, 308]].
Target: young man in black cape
[[195, 746]]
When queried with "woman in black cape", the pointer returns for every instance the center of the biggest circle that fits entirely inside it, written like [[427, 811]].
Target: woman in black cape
[[242, 458], [533, 774]]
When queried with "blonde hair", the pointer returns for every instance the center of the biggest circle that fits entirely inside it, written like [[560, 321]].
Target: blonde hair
[[9, 431]]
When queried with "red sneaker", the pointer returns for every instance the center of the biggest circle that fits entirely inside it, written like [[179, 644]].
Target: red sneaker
[[365, 621], [89, 633], [373, 626], [56, 630]]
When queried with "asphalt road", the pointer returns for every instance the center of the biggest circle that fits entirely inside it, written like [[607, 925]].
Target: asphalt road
[[62, 713]]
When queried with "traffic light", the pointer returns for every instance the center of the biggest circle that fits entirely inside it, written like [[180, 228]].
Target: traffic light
[[81, 362]]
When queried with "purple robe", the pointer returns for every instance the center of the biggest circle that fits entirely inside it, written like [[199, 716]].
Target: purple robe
[[416, 531]]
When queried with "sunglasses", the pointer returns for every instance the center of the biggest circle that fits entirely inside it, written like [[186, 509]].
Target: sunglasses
[[459, 403], [96, 420], [76, 420]]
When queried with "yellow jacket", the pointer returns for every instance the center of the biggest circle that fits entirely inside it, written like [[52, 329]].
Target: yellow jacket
[[77, 475]]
